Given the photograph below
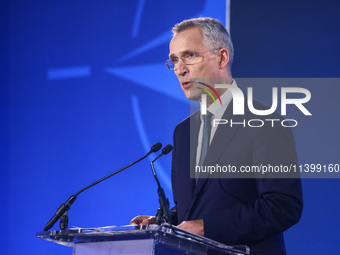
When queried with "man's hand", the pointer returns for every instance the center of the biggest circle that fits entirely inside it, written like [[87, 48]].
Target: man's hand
[[194, 226], [143, 220]]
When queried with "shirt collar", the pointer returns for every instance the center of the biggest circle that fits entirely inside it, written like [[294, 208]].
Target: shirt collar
[[216, 108]]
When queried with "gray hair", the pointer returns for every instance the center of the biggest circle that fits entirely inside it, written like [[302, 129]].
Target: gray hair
[[214, 34]]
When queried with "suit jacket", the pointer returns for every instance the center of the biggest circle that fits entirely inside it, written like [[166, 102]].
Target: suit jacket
[[251, 211]]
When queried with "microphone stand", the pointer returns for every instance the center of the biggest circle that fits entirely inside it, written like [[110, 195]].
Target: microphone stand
[[163, 210], [63, 208]]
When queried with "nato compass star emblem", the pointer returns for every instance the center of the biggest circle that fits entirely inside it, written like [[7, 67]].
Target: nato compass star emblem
[[218, 9]]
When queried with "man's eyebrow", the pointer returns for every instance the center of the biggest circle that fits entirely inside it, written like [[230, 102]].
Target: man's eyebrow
[[172, 55], [182, 53]]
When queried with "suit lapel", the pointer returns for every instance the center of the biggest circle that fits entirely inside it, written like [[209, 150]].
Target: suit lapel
[[220, 142], [191, 138], [195, 123]]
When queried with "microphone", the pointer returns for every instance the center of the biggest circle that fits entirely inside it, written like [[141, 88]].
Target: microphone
[[163, 201], [63, 208]]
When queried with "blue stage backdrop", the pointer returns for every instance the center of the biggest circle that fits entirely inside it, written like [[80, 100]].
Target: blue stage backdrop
[[84, 92]]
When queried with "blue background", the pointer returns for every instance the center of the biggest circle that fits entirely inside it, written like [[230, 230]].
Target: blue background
[[84, 91]]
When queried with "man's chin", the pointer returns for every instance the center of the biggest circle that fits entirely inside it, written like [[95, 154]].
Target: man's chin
[[194, 97], [191, 96]]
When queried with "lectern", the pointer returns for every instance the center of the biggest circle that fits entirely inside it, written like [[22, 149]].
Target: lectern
[[150, 239]]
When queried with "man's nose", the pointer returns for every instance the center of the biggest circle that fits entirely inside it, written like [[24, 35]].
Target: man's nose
[[181, 68]]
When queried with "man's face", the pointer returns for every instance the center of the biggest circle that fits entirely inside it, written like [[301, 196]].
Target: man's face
[[182, 43]]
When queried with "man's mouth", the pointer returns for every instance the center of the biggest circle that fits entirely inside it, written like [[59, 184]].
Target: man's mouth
[[186, 84]]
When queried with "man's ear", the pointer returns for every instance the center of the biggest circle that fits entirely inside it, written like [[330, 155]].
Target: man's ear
[[223, 59]]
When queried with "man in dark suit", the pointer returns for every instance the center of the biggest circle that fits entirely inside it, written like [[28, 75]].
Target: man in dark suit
[[252, 211]]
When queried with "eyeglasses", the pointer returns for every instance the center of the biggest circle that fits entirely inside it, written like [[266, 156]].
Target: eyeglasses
[[189, 58]]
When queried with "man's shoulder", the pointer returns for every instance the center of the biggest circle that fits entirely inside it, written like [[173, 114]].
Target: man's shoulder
[[186, 122]]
